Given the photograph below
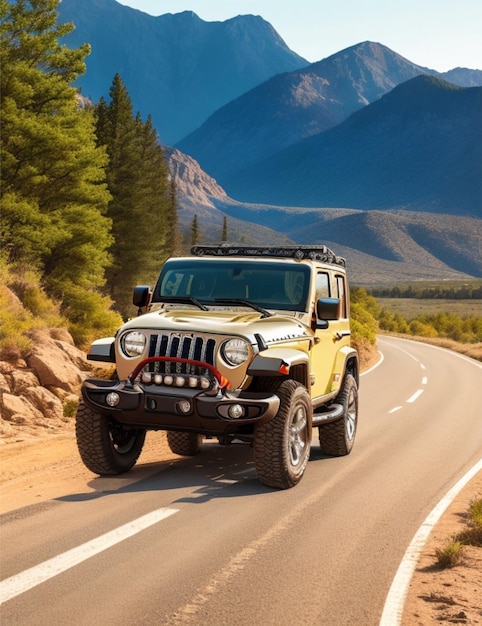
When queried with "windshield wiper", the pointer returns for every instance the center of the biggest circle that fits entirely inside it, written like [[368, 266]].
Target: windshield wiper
[[245, 302], [182, 300]]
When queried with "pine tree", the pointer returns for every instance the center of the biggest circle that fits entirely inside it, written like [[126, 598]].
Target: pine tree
[[224, 234], [173, 236], [194, 231], [137, 179], [53, 194]]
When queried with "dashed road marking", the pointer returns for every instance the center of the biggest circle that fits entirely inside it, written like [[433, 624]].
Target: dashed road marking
[[15, 585], [415, 396]]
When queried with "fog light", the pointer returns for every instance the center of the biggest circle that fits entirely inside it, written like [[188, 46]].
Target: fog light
[[184, 406], [112, 398], [146, 378], [235, 411], [168, 379], [158, 379]]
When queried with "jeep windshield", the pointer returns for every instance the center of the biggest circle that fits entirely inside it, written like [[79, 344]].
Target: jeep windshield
[[268, 285]]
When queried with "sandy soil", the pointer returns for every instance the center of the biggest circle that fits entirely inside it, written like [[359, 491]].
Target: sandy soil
[[47, 467]]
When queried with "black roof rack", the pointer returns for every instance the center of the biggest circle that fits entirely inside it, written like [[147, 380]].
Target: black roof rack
[[315, 253]]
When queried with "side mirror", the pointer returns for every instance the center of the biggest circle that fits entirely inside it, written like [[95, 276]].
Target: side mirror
[[327, 309], [141, 296]]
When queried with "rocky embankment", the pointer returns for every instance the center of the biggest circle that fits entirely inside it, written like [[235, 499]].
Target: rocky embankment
[[39, 394]]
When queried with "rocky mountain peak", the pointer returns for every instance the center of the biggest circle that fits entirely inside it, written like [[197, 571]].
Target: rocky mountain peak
[[192, 182]]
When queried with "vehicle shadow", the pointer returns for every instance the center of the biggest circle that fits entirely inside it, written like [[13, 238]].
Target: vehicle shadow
[[217, 472]]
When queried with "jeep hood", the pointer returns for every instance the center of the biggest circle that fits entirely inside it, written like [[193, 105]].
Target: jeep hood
[[222, 322]]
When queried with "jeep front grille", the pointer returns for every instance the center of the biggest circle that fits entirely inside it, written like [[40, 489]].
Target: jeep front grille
[[184, 346]]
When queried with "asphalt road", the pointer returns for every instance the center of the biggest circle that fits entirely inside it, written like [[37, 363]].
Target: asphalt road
[[201, 541]]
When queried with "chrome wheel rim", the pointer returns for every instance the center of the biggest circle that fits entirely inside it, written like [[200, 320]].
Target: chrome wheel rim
[[298, 436], [351, 415]]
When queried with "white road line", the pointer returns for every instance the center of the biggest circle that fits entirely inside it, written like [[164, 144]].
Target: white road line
[[379, 362], [15, 585], [395, 409], [424, 380], [393, 609], [415, 396]]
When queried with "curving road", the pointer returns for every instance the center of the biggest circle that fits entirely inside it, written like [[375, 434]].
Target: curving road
[[201, 541]]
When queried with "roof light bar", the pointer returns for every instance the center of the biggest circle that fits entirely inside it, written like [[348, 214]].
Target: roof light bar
[[315, 252]]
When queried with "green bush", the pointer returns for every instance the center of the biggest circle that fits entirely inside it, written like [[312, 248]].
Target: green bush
[[90, 315]]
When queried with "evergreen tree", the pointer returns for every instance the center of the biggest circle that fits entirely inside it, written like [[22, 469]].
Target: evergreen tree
[[194, 231], [224, 234], [53, 194], [174, 238], [137, 179]]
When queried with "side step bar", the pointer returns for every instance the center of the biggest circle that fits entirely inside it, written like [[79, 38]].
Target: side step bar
[[334, 412]]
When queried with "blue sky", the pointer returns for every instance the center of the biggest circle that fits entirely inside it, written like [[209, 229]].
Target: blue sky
[[439, 34]]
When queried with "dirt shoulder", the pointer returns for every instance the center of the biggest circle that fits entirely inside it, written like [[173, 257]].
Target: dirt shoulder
[[48, 467], [452, 595]]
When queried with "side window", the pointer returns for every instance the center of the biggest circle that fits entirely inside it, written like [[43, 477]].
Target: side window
[[341, 293], [322, 286]]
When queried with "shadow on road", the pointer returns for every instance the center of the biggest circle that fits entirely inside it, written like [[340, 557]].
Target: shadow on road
[[217, 472]]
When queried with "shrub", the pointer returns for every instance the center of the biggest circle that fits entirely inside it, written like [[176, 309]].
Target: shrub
[[450, 555], [90, 316]]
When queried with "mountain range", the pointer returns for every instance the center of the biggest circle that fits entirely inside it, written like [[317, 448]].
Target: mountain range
[[364, 150], [418, 147], [177, 67], [299, 104]]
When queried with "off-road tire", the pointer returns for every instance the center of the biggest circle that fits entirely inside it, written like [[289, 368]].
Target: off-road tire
[[106, 447], [337, 438], [184, 444], [282, 445]]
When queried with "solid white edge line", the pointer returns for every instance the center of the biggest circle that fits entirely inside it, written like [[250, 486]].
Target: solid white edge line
[[379, 362], [394, 604], [15, 585]]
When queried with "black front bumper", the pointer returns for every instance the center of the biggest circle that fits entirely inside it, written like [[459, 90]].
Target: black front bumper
[[159, 407]]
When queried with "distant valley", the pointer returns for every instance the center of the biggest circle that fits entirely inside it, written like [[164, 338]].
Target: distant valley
[[381, 247]]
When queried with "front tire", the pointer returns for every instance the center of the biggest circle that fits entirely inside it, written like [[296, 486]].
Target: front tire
[[337, 438], [282, 445], [106, 447], [184, 444]]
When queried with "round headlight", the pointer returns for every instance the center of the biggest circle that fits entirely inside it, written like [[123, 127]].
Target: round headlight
[[235, 351], [133, 343]]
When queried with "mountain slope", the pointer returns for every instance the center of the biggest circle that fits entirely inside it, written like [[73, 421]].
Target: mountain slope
[[299, 104], [381, 247], [176, 67], [418, 147]]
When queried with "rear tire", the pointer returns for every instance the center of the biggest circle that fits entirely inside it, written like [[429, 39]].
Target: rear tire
[[184, 444], [337, 438], [105, 446], [282, 445]]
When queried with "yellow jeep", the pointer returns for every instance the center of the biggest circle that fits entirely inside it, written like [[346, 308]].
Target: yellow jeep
[[236, 343]]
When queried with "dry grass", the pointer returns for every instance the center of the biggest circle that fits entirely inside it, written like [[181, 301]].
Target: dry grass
[[452, 553], [412, 307]]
